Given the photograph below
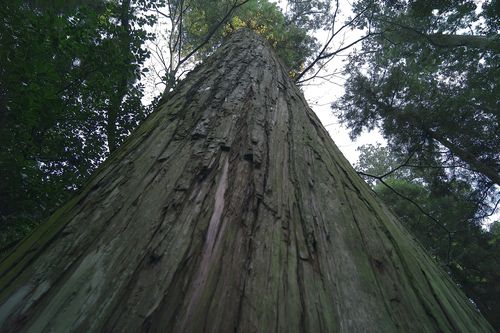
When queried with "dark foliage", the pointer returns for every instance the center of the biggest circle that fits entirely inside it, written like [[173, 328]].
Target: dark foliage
[[63, 71]]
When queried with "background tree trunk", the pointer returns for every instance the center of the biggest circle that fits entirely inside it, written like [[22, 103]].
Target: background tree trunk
[[484, 43], [229, 209], [489, 171], [121, 88]]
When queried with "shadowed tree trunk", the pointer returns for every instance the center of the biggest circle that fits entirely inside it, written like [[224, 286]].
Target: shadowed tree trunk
[[229, 209], [120, 91], [483, 43], [488, 170]]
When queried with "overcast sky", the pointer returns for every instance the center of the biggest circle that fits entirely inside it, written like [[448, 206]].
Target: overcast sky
[[320, 96]]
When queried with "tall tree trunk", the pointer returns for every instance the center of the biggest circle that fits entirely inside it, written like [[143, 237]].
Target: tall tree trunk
[[409, 34], [484, 43], [229, 209], [121, 89]]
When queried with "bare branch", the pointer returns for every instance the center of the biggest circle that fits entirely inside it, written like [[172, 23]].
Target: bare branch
[[322, 55]]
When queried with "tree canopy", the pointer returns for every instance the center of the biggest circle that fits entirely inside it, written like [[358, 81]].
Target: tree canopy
[[428, 79], [70, 93]]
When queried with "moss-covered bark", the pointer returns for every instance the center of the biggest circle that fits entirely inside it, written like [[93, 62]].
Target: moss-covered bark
[[230, 209]]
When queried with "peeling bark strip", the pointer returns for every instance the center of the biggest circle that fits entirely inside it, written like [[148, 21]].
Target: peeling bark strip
[[230, 209]]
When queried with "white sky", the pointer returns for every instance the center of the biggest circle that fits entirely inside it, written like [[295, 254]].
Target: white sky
[[320, 96]]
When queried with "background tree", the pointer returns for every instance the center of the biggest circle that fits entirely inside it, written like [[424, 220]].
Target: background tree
[[433, 98], [69, 95]]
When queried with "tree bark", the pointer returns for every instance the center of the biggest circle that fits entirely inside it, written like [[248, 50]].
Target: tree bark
[[229, 209]]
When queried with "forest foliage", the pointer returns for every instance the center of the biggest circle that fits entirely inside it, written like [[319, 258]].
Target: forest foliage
[[73, 77]]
